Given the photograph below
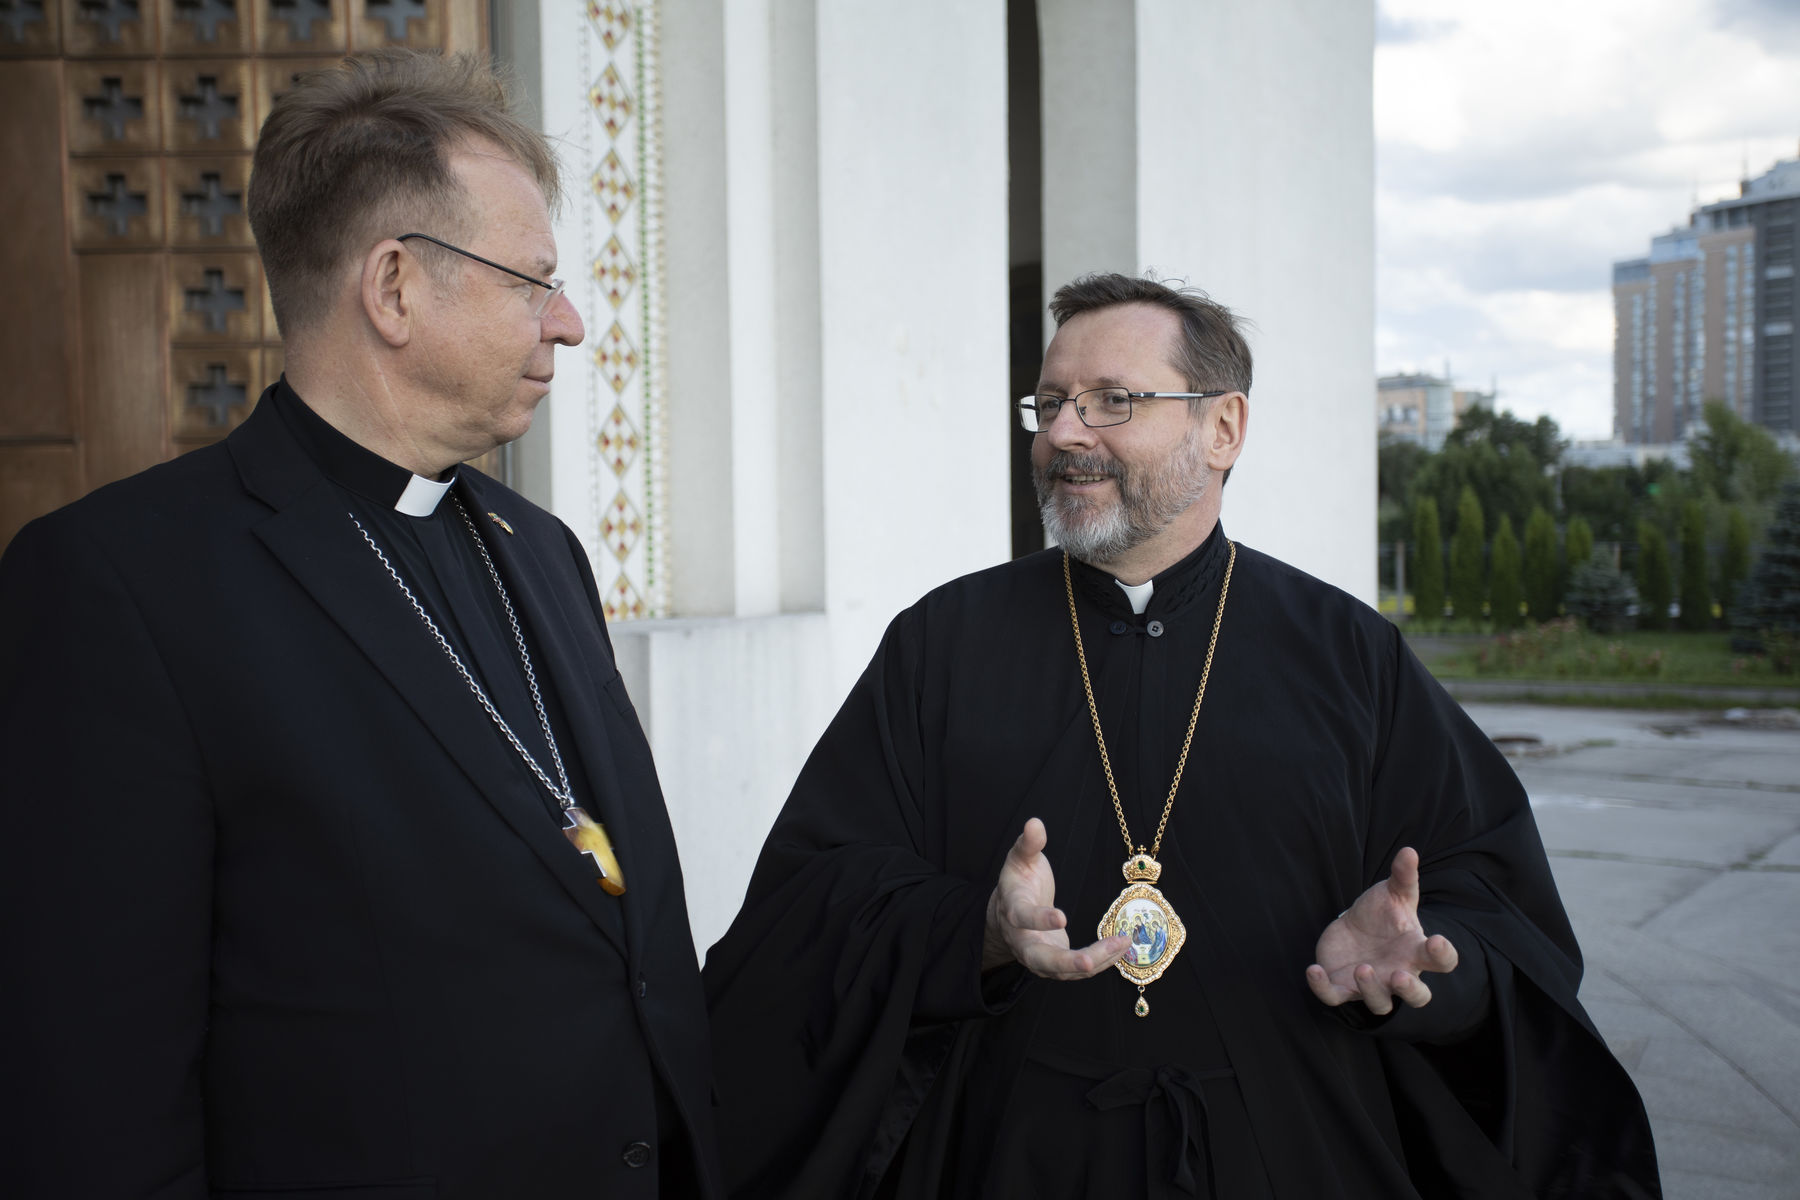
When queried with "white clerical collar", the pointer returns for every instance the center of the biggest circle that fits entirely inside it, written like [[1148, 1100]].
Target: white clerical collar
[[420, 499], [1137, 593]]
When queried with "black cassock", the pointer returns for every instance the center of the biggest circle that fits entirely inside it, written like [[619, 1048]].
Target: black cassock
[[859, 1050]]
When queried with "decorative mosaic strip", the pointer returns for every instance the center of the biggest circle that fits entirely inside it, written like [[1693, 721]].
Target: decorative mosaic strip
[[622, 232]]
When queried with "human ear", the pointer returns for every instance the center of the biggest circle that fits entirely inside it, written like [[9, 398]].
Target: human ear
[[391, 280], [1229, 423]]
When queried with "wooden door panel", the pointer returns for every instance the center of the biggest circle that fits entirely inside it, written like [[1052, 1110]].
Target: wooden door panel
[[35, 479], [114, 108], [38, 330], [208, 27], [204, 199], [116, 203], [123, 347], [110, 28], [141, 325]]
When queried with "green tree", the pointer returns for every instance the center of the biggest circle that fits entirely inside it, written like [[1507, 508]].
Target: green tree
[[1600, 596], [1734, 566], [1654, 585], [1696, 596], [1505, 460], [1772, 601], [1506, 592], [1736, 460], [1542, 595], [1428, 561], [1578, 544], [1466, 574], [1397, 464]]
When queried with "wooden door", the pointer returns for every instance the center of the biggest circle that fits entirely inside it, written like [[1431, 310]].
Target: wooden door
[[135, 324]]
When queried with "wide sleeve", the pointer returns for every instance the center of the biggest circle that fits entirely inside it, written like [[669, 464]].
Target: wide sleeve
[[833, 991], [105, 887], [1510, 1072]]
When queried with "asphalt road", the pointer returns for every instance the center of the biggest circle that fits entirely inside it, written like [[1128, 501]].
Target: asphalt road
[[1675, 839]]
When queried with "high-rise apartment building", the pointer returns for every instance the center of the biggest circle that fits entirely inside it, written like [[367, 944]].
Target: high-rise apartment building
[[1709, 315]]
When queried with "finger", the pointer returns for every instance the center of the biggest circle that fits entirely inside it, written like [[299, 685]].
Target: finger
[[1034, 917], [1059, 962], [1034, 838], [1320, 982], [1409, 989], [1373, 990], [1403, 880], [1440, 954]]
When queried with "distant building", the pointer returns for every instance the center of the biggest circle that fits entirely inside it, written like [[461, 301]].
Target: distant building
[[1423, 408], [1623, 454], [1709, 315]]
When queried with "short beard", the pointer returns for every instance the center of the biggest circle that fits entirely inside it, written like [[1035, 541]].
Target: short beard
[[1149, 498]]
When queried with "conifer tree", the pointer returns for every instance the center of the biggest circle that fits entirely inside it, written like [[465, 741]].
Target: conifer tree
[[1696, 596], [1772, 601], [1578, 544], [1506, 593], [1428, 559], [1467, 578], [1542, 595], [1734, 566], [1655, 588]]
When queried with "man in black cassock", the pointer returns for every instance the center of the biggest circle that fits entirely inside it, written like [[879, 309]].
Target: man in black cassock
[[313, 741], [1330, 961]]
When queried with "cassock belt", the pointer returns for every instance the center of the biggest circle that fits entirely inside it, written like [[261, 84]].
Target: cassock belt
[[1176, 1091]]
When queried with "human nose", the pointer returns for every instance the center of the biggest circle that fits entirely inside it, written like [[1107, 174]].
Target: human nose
[[562, 322], [1067, 427]]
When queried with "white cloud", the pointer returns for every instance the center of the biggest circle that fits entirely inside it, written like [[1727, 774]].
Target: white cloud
[[1522, 147]]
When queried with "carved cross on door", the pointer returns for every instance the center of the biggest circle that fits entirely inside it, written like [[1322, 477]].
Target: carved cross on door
[[17, 15], [300, 15], [217, 396], [208, 108], [395, 14], [118, 204], [216, 301], [110, 15], [212, 204], [206, 16], [112, 108]]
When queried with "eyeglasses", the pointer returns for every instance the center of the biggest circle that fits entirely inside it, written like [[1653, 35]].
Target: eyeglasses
[[552, 288], [1097, 407]]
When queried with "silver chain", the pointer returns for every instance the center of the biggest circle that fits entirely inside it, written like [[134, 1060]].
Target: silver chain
[[565, 795]]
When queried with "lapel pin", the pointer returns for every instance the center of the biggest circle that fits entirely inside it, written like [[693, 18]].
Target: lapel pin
[[499, 520]]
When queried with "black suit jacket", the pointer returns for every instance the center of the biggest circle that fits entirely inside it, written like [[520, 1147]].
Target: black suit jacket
[[279, 907]]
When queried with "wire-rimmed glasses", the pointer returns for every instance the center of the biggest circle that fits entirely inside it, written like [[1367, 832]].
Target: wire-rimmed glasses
[[552, 287], [1097, 407]]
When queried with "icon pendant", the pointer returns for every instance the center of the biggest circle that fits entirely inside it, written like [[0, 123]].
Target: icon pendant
[[1147, 918], [589, 837]]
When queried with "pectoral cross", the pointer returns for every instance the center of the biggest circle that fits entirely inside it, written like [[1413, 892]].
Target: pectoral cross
[[589, 837]]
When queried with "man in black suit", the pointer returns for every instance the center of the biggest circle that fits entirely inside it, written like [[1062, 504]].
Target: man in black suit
[[334, 861]]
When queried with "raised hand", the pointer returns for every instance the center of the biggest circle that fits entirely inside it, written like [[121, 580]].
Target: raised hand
[[1376, 950], [1024, 924]]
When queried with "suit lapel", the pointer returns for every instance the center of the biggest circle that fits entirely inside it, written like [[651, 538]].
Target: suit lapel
[[313, 536], [567, 653]]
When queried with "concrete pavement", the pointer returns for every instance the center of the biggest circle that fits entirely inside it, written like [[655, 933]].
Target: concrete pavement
[[1675, 839]]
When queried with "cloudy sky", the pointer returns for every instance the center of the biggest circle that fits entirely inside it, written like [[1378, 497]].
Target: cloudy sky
[[1524, 145]]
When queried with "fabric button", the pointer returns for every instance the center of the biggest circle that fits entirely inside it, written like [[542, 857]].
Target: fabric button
[[643, 987], [1119, 627], [1155, 629], [637, 1154]]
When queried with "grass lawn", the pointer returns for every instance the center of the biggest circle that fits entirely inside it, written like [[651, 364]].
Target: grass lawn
[[1558, 650]]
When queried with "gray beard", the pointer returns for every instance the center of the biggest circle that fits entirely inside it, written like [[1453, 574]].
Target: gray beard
[[1149, 498]]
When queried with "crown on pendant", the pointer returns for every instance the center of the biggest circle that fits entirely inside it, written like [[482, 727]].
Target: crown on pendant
[[1141, 868]]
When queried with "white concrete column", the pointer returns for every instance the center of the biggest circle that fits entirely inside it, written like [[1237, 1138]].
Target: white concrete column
[[913, 304]]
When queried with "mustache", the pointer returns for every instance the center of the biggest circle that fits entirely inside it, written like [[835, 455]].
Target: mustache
[[1064, 463]]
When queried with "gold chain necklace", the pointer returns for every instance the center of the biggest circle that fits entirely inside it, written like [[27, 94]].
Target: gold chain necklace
[[1141, 912]]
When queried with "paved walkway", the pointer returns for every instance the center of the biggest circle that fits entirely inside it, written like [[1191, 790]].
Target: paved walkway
[[1675, 838]]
